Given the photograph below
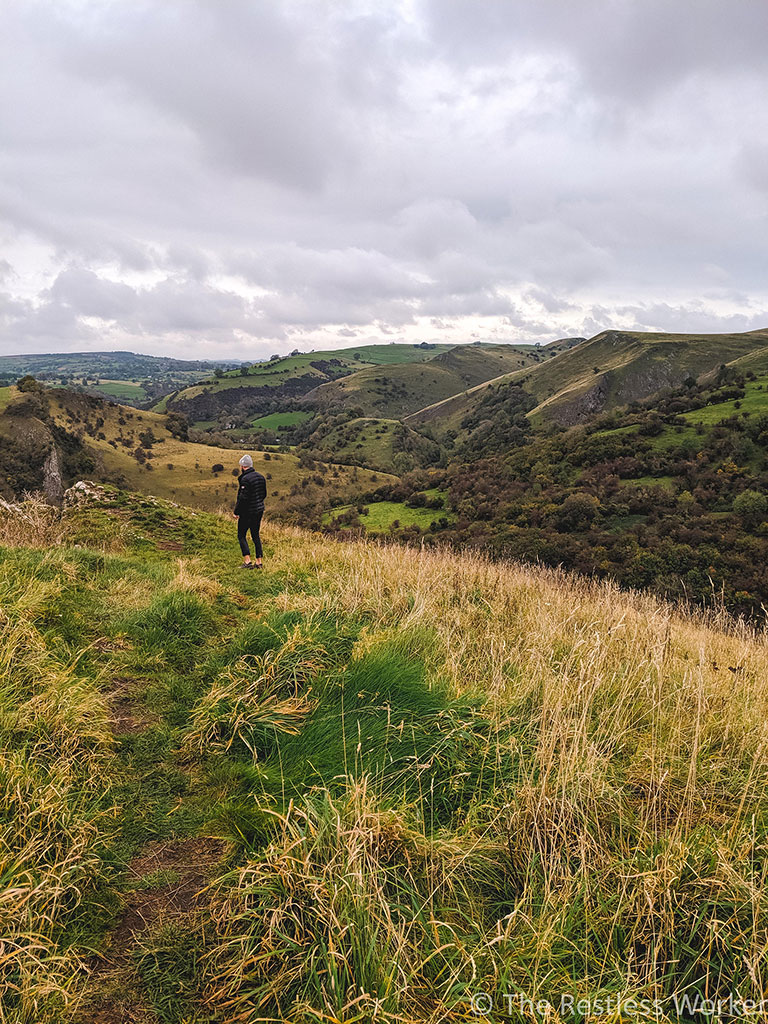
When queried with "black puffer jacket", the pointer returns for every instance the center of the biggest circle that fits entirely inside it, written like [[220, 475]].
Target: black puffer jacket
[[251, 494]]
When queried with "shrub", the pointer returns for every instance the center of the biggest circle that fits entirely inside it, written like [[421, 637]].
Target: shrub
[[750, 503]]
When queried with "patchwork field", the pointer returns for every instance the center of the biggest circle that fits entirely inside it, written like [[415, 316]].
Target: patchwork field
[[278, 420]]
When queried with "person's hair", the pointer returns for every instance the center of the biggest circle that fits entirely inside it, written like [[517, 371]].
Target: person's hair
[[246, 462]]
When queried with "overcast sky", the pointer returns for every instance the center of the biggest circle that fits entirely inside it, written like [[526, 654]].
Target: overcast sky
[[232, 178]]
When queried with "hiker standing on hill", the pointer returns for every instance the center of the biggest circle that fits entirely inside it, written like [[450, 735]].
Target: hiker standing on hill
[[249, 509]]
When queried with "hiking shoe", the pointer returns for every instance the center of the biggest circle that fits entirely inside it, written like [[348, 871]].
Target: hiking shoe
[[246, 565]]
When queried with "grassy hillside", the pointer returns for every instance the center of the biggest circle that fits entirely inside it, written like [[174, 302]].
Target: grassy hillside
[[254, 389], [363, 784], [184, 471], [668, 494], [374, 518], [610, 370], [377, 443], [137, 449], [755, 361], [397, 391]]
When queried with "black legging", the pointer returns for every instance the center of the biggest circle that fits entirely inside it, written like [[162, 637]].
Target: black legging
[[252, 523]]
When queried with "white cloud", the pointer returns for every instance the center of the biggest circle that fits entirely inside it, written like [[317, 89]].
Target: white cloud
[[233, 179]]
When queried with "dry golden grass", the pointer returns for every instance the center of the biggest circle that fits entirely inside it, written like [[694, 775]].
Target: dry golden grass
[[512, 630], [182, 471], [32, 522], [651, 732]]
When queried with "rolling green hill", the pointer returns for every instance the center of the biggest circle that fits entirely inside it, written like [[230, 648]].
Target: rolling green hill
[[609, 370], [261, 388], [377, 443], [395, 392]]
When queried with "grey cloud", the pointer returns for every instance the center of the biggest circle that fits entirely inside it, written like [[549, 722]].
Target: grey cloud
[[89, 295], [627, 48], [241, 175]]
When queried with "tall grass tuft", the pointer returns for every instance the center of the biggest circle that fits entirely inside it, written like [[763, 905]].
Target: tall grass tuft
[[33, 522], [55, 767], [343, 918]]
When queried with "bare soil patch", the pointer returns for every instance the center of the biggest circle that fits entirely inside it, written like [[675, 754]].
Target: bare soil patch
[[126, 716], [115, 996]]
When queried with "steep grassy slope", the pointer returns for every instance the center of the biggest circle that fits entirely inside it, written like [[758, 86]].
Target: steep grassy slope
[[609, 370], [398, 391], [363, 784], [754, 362]]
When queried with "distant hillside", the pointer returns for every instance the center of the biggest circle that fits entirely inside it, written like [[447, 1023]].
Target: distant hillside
[[396, 391], [607, 371], [265, 387], [51, 436], [126, 376], [378, 443], [102, 364]]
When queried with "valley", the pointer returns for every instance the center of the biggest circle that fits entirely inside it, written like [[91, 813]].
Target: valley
[[639, 458]]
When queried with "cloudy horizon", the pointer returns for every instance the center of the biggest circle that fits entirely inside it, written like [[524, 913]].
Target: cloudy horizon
[[228, 180]]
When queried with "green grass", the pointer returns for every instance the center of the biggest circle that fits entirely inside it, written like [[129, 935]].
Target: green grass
[[670, 437], [425, 774], [667, 482], [162, 405], [754, 403], [121, 389], [620, 524], [5, 397], [366, 441], [384, 514], [279, 420]]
